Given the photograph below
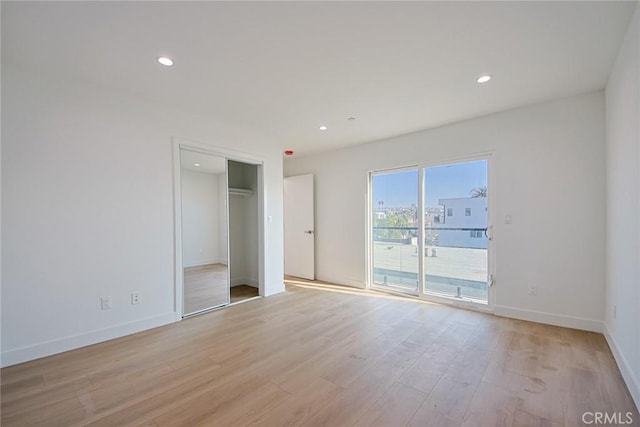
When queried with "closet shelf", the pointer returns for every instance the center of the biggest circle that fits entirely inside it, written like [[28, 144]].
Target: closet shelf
[[240, 192]]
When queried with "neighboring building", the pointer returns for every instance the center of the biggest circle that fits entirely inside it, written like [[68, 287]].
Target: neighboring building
[[433, 215], [468, 214]]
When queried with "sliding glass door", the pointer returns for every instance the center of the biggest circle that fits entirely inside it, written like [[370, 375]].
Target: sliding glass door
[[394, 233], [455, 229], [429, 231]]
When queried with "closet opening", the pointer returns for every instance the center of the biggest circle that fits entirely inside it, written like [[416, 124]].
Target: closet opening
[[218, 211], [243, 230]]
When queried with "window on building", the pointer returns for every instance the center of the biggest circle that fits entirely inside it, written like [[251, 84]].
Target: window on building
[[475, 234], [467, 211], [449, 211]]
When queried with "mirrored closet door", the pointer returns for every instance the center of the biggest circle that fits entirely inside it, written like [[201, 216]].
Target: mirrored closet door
[[205, 231]]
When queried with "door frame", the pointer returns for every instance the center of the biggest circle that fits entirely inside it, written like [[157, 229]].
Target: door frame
[[179, 143], [489, 156]]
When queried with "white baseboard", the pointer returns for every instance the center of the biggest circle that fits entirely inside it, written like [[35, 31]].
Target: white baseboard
[[549, 318], [244, 281], [36, 351], [204, 262], [625, 369]]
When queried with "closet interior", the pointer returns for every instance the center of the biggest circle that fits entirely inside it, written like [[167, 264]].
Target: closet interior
[[243, 229]]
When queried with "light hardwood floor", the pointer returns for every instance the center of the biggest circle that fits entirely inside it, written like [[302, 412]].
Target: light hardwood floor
[[320, 355]]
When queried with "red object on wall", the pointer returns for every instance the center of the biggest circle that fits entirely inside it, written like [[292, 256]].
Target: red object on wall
[[288, 153]]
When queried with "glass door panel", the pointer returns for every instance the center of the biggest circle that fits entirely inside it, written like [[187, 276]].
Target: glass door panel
[[395, 230], [455, 221]]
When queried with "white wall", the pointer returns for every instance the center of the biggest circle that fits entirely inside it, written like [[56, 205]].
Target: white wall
[[251, 222], [201, 220], [548, 171], [87, 210], [0, 203], [622, 304]]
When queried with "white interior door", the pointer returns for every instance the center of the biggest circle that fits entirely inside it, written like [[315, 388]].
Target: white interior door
[[299, 234]]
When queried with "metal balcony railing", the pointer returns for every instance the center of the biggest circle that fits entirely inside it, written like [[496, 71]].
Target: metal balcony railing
[[455, 260]]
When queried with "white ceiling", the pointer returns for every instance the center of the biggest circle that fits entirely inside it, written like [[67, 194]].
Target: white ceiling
[[284, 68]]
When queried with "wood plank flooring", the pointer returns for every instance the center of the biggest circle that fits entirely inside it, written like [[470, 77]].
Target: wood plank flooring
[[320, 355]]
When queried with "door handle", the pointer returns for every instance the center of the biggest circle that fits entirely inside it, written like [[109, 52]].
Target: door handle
[[489, 236], [308, 231]]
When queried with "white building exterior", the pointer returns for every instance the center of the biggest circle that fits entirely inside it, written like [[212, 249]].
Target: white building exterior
[[468, 214]]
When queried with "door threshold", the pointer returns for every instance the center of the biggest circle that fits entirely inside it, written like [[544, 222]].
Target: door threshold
[[204, 311], [465, 304], [395, 291], [460, 303], [245, 300]]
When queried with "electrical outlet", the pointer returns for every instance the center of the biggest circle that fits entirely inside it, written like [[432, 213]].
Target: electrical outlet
[[533, 289], [135, 298], [105, 303]]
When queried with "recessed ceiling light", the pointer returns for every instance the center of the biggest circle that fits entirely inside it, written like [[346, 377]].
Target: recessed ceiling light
[[323, 127], [484, 78], [167, 62], [196, 165]]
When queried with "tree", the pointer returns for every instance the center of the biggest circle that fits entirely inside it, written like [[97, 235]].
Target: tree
[[479, 192], [392, 218]]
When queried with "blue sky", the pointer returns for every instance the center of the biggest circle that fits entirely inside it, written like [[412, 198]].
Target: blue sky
[[455, 180]]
